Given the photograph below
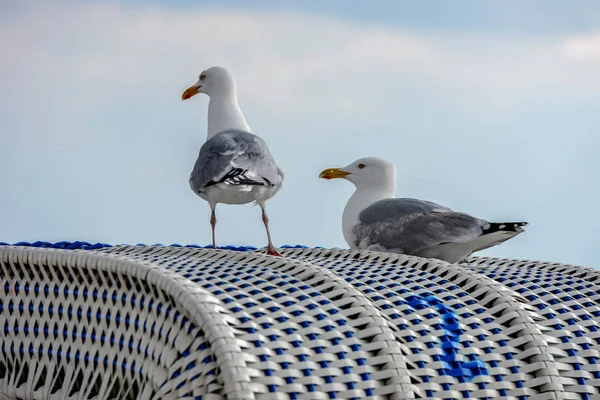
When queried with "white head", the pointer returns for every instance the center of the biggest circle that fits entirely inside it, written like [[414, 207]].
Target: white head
[[368, 172], [224, 112], [215, 81]]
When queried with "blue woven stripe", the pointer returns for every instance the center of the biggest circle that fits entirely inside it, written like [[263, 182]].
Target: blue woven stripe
[[82, 245]]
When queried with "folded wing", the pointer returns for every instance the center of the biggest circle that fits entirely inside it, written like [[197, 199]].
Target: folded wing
[[234, 158], [410, 226]]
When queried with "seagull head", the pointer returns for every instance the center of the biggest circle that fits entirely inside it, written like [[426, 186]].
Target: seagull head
[[365, 172], [214, 81]]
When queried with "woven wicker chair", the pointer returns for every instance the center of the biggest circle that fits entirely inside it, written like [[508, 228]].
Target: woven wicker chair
[[158, 322]]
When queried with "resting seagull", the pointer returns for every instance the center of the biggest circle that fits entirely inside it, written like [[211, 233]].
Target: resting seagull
[[375, 220], [234, 165]]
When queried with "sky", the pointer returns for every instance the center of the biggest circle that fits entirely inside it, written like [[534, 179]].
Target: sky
[[491, 108]]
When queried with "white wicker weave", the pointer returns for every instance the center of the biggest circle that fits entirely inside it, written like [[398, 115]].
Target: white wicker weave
[[183, 323]]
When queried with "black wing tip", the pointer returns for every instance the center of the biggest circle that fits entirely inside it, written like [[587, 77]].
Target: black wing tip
[[237, 177], [504, 227]]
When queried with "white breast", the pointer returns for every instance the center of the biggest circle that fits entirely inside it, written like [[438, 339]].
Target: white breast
[[361, 199]]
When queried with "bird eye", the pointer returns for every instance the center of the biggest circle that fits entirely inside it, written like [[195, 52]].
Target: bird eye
[[202, 77], [361, 166]]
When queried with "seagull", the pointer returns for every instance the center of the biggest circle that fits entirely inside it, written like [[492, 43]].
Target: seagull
[[234, 166], [374, 219]]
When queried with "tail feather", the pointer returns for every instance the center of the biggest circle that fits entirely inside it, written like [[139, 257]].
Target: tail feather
[[495, 233]]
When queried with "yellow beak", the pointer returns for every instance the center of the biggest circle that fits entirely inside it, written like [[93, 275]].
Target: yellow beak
[[189, 92], [333, 173]]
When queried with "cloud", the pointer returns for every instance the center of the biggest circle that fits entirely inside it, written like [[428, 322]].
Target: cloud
[[283, 59], [583, 47]]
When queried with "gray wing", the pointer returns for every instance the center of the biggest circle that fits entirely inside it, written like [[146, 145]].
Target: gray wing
[[397, 208], [411, 225], [235, 158]]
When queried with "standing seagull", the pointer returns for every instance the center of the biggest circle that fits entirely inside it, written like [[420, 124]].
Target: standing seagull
[[375, 220], [234, 165]]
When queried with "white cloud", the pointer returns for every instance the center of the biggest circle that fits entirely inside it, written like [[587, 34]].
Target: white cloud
[[282, 60], [583, 47]]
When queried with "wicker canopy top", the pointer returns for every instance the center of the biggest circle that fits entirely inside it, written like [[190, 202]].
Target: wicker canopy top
[[171, 322]]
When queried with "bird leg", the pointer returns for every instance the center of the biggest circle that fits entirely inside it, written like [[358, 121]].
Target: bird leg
[[213, 223], [270, 248]]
